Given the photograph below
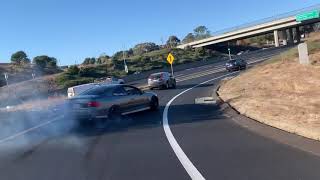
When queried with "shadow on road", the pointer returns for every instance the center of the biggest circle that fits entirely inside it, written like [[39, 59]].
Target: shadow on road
[[178, 114]]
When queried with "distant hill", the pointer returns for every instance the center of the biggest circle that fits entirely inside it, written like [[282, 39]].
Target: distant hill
[[21, 73]]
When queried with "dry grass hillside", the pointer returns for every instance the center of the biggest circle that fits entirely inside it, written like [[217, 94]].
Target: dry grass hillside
[[281, 93], [18, 93]]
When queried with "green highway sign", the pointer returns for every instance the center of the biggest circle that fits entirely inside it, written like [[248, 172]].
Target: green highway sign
[[308, 16]]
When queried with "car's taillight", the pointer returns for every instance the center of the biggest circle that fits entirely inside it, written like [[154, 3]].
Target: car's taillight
[[94, 104]]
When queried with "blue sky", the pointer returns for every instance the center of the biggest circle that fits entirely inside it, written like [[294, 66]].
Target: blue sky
[[71, 30]]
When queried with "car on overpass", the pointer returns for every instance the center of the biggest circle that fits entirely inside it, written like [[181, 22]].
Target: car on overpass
[[109, 102], [236, 65]]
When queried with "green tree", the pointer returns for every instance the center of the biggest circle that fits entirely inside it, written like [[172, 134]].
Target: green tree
[[52, 63], [200, 51], [88, 61], [142, 48], [73, 70], [118, 55], [189, 38], [173, 41], [45, 61], [19, 58], [201, 32], [103, 59], [87, 72]]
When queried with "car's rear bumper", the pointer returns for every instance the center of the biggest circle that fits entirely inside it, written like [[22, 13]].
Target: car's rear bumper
[[87, 115], [232, 68], [156, 84]]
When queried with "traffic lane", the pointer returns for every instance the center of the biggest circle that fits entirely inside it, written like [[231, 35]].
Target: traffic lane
[[32, 139], [221, 149], [181, 86], [36, 138], [134, 150], [64, 126], [219, 64], [105, 154]]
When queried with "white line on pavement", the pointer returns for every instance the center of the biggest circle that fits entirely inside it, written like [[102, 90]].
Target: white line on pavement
[[217, 69], [27, 131], [183, 158]]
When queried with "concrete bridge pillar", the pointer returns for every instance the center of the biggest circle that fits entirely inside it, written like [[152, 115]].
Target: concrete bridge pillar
[[284, 37], [291, 41], [276, 38], [298, 34]]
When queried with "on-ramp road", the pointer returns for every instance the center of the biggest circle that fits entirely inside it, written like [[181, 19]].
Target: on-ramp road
[[183, 140]]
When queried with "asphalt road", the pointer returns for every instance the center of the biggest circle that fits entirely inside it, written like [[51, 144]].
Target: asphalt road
[[212, 145]]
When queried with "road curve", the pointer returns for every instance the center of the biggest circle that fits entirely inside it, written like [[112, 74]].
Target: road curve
[[138, 147]]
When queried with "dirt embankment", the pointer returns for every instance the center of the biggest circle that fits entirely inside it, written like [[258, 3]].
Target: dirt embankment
[[29, 92], [283, 94]]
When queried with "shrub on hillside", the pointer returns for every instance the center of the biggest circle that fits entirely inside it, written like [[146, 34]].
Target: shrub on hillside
[[94, 72], [77, 82], [73, 70]]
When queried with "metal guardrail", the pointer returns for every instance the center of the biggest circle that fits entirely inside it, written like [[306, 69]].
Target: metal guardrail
[[266, 20]]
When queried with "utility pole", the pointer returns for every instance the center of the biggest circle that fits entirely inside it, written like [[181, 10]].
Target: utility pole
[[124, 60], [6, 77]]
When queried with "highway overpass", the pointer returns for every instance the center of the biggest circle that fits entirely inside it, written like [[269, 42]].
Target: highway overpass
[[286, 28]]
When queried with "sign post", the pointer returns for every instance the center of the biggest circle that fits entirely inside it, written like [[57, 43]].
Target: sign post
[[229, 50], [170, 60], [6, 77]]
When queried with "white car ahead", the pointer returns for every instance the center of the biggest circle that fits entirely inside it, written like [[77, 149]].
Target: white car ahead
[[76, 90]]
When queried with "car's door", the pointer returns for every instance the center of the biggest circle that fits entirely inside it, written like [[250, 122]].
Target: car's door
[[137, 100], [238, 63], [121, 99]]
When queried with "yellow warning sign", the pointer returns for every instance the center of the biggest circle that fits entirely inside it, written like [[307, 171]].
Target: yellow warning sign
[[170, 58]]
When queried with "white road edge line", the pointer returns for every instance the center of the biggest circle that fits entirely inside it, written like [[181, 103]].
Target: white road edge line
[[183, 158], [27, 131]]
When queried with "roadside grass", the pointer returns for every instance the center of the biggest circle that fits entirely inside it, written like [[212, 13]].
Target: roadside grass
[[281, 93], [292, 54]]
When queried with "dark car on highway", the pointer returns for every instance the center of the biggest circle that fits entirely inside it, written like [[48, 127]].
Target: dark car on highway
[[109, 101], [236, 65]]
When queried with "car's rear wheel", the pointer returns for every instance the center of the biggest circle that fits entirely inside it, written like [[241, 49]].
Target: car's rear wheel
[[174, 84], [154, 104], [167, 85], [114, 113]]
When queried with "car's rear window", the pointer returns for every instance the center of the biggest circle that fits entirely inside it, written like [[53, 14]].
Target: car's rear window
[[99, 91], [155, 76], [232, 61]]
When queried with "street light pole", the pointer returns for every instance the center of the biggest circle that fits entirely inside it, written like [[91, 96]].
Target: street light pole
[[229, 53], [126, 69], [6, 77]]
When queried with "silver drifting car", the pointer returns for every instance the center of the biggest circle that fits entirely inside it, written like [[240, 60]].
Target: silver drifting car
[[161, 80], [106, 102]]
